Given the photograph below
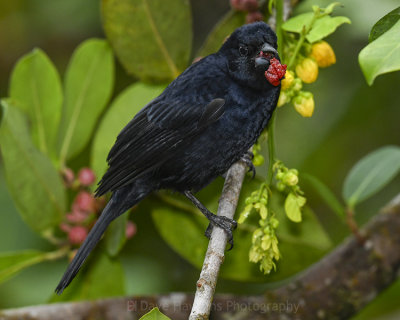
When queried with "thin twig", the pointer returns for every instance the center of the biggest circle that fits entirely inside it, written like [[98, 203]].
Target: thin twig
[[215, 252]]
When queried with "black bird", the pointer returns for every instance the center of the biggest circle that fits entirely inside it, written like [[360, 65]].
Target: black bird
[[203, 122]]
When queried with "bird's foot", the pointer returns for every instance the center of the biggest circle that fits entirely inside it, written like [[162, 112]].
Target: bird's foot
[[246, 158], [225, 223]]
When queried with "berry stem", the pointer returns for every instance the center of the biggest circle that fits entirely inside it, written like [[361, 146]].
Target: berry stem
[[271, 149], [279, 22], [305, 31]]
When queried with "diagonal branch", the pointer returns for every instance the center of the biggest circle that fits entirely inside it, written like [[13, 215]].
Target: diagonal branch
[[215, 252]]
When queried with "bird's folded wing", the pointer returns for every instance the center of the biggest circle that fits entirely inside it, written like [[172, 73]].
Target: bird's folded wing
[[153, 136]]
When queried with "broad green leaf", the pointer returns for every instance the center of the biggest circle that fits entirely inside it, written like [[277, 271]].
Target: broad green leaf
[[102, 277], [13, 262], [324, 26], [33, 182], [154, 314], [115, 236], [293, 205], [88, 85], [228, 24], [384, 24], [176, 219], [321, 28], [122, 110], [151, 38], [325, 193], [298, 23], [371, 174], [35, 88], [382, 55]]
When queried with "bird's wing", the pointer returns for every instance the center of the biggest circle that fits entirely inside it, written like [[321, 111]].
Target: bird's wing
[[153, 136]]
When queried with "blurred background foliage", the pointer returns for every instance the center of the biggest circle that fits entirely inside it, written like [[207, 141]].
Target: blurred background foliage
[[350, 120]]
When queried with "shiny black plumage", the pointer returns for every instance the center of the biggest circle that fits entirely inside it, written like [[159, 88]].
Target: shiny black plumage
[[202, 123]]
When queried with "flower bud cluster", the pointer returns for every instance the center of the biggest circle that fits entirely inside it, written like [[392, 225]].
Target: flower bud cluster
[[85, 208], [264, 249], [251, 7], [286, 178]]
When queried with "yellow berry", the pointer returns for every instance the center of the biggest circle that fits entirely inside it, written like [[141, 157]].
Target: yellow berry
[[304, 104], [287, 82], [307, 70], [323, 54]]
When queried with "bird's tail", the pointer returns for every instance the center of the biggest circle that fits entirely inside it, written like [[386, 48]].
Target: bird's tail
[[106, 217]]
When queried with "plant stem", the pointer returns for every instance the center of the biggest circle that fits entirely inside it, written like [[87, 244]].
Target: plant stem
[[271, 148], [302, 38], [278, 27], [54, 255]]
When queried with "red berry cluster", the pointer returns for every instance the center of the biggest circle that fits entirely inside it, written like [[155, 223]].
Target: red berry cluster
[[276, 71], [249, 6], [85, 208]]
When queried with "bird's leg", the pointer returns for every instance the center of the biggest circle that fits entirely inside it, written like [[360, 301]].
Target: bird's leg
[[224, 223], [246, 158]]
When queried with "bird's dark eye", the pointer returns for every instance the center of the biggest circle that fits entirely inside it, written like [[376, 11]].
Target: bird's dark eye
[[243, 51]]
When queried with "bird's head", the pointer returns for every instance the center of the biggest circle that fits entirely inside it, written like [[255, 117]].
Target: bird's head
[[252, 56]]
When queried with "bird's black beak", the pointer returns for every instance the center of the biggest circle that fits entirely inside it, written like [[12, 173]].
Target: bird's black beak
[[267, 53]]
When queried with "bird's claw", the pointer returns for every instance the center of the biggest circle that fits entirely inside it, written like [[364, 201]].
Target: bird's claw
[[226, 224], [247, 157]]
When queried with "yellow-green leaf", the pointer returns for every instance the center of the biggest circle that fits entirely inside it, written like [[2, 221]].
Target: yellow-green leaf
[[121, 111], [154, 314], [293, 205], [382, 55], [88, 86], [371, 174], [35, 88], [33, 182], [151, 38], [13, 262]]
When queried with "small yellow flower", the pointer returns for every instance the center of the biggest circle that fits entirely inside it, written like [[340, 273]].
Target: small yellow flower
[[304, 104], [323, 54], [283, 98], [307, 70], [287, 82]]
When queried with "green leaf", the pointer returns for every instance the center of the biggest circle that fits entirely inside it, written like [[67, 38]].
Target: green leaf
[[384, 24], [371, 174], [293, 204], [321, 28], [33, 182], [151, 38], [121, 111], [13, 262], [324, 26], [177, 219], [382, 55], [228, 24], [154, 314], [298, 23], [89, 82], [101, 278], [325, 193], [35, 88], [115, 236]]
